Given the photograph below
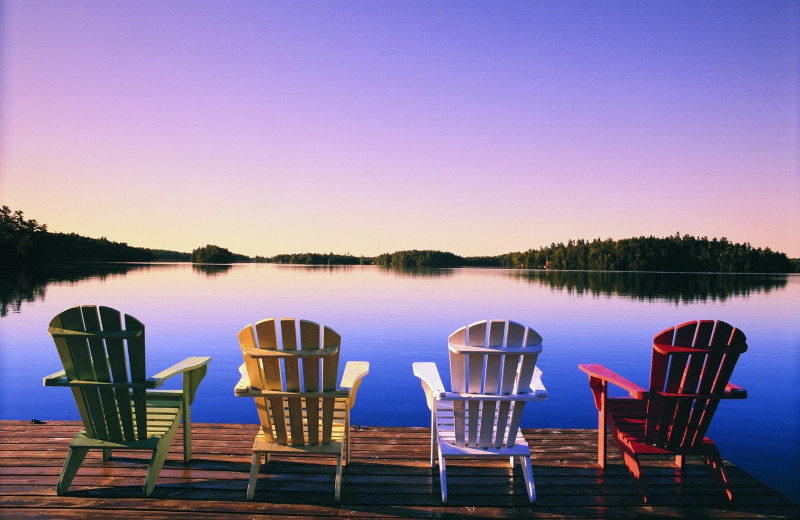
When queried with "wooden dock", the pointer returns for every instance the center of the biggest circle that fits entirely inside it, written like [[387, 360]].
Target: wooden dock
[[389, 477]]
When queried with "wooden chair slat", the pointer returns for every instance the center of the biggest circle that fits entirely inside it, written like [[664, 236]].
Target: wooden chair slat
[[515, 335], [292, 373], [310, 340], [136, 360], [266, 333], [118, 363], [82, 362], [100, 362], [330, 366]]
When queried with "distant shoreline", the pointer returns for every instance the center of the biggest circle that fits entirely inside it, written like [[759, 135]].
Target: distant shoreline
[[26, 242]]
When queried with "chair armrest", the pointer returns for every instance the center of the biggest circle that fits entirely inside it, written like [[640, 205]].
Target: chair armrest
[[459, 396], [601, 373], [735, 391], [241, 388], [57, 332], [430, 379], [351, 378], [537, 387], [187, 365], [57, 379]]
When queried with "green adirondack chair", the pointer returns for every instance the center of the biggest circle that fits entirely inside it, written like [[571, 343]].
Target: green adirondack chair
[[104, 366]]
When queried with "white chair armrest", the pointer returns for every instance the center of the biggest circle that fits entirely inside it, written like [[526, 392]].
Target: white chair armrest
[[537, 387], [431, 381]]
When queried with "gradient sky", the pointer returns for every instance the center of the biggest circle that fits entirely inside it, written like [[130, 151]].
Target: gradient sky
[[474, 127]]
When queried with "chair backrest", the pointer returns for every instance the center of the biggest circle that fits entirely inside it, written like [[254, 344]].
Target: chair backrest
[[494, 358], [305, 374], [692, 364], [96, 351]]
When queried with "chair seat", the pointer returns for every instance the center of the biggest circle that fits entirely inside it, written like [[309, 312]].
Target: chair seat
[[446, 436], [627, 417], [164, 409], [262, 445], [338, 430]]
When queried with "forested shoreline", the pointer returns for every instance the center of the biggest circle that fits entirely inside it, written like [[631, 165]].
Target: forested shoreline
[[26, 242]]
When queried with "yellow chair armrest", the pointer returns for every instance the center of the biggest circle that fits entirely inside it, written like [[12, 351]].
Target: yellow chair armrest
[[351, 379]]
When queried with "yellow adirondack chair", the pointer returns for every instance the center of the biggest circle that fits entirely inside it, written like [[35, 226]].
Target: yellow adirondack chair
[[492, 377], [104, 366], [300, 407]]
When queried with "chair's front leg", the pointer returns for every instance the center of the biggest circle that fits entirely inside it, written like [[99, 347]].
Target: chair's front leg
[[191, 380], [187, 417], [433, 435], [600, 390]]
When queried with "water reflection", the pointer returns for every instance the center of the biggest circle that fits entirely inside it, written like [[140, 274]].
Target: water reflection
[[211, 269], [419, 272], [670, 287], [29, 284]]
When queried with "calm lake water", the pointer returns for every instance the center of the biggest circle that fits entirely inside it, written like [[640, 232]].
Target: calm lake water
[[393, 318]]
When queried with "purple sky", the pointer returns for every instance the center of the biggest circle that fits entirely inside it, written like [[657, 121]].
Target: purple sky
[[370, 127]]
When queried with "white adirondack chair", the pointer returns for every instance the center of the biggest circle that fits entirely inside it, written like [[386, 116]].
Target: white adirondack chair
[[493, 374], [301, 409]]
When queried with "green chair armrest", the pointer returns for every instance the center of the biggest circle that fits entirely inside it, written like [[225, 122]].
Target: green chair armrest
[[57, 379], [187, 365]]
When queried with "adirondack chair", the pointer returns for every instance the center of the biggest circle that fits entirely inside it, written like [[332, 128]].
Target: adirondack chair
[[689, 374], [491, 380], [299, 414], [104, 366]]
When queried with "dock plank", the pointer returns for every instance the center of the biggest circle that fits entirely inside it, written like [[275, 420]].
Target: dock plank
[[389, 477]]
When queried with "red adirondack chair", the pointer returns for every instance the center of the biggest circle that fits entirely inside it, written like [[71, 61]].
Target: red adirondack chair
[[691, 366]]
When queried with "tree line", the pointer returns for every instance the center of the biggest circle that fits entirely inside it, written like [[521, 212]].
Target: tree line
[[26, 242], [677, 253]]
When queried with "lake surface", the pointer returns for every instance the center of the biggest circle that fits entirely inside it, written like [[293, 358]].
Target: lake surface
[[393, 318]]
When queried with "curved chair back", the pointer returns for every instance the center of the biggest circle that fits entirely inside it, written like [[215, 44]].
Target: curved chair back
[[495, 361]]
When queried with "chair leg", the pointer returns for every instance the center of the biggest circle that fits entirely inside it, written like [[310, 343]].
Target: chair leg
[[527, 472], [106, 454], [635, 470], [255, 467], [433, 436], [337, 493], [713, 460], [443, 477], [187, 432], [71, 465], [156, 463], [347, 438]]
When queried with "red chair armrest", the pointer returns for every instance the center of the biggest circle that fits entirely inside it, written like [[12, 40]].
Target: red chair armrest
[[603, 374]]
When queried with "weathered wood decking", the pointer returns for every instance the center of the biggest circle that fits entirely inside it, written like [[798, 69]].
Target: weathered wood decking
[[389, 476]]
